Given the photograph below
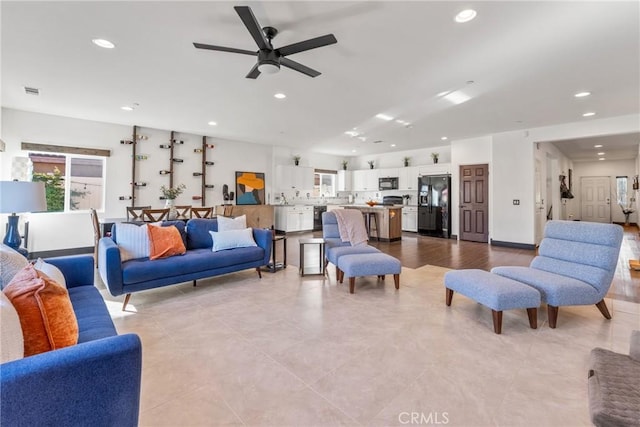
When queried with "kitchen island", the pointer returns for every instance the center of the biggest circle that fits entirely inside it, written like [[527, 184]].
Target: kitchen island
[[389, 219]]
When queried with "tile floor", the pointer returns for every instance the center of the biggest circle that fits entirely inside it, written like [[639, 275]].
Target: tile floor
[[285, 350]]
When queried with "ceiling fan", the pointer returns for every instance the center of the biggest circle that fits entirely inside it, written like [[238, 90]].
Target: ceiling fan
[[270, 59]]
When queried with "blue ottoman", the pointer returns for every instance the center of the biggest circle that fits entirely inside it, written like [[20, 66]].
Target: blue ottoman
[[378, 264], [333, 254], [496, 292]]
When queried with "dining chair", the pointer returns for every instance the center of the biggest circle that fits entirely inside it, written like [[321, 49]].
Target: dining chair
[[184, 212], [201, 212], [96, 234], [155, 215], [134, 213], [228, 210]]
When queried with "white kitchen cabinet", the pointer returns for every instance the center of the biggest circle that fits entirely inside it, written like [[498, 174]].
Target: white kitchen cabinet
[[388, 173], [408, 178], [294, 177], [410, 218], [435, 169], [345, 180], [365, 180], [294, 218]]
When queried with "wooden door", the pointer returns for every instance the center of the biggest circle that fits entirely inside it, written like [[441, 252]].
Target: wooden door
[[595, 199], [474, 203]]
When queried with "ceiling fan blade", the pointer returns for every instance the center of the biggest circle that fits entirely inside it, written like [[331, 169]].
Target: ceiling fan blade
[[224, 49], [299, 67], [252, 25], [254, 73], [307, 44]]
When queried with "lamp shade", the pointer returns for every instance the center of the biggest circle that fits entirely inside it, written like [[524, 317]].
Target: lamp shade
[[22, 196]]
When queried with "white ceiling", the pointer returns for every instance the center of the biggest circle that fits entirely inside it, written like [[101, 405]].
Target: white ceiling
[[526, 60]]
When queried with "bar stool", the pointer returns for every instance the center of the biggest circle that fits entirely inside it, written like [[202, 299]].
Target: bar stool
[[368, 218]]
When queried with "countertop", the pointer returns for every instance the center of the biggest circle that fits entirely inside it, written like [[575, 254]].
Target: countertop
[[364, 206]]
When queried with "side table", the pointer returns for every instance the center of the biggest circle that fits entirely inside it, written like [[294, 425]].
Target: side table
[[312, 241], [276, 237]]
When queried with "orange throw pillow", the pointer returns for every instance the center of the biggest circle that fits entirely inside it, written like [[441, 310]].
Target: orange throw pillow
[[164, 242], [46, 314]]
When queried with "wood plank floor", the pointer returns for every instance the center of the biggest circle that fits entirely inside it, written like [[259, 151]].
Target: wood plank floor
[[415, 251]]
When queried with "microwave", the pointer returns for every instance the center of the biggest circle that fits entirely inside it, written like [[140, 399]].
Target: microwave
[[388, 183]]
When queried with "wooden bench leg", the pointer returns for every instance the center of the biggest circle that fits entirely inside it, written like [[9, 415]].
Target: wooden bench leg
[[396, 280], [533, 317], [352, 284], [553, 316], [259, 273], [449, 296], [497, 321]]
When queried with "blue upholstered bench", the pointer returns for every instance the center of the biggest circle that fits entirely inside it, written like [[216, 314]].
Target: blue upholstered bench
[[493, 291], [335, 253], [368, 264]]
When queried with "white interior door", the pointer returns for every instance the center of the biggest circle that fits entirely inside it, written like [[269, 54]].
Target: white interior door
[[595, 199]]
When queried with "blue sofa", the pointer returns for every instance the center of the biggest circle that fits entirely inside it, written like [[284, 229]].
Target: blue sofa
[[96, 382], [198, 263]]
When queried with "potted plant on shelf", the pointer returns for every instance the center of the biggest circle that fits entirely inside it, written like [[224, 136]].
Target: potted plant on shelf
[[371, 164], [296, 160], [435, 156], [406, 161], [344, 164], [170, 195], [406, 198]]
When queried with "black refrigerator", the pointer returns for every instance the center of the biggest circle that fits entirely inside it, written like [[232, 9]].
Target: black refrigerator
[[434, 215]]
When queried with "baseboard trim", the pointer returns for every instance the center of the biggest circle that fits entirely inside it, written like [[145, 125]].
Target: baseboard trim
[[61, 252], [513, 245]]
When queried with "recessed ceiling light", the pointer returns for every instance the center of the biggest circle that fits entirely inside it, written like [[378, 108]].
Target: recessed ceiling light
[[444, 138], [466, 15], [212, 123], [280, 95], [601, 153], [602, 158], [582, 94], [393, 145], [384, 117], [597, 146], [457, 97], [103, 43], [127, 108], [589, 114]]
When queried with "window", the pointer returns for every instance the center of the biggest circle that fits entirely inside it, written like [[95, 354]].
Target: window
[[324, 183], [72, 182], [621, 190]]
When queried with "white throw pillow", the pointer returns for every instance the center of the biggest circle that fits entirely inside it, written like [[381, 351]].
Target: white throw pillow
[[50, 270], [133, 241], [10, 263], [11, 338], [232, 239], [237, 223]]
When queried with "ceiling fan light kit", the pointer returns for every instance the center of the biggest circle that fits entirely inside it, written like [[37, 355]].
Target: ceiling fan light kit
[[270, 59]]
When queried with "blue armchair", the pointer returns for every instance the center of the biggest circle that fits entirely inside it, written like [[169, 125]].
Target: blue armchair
[[575, 265], [96, 382]]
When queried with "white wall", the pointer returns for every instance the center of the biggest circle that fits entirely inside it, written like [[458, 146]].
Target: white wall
[[609, 169], [52, 231]]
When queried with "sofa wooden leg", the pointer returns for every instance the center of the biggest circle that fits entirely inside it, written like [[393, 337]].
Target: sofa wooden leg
[[497, 321], [259, 273], [602, 306], [449, 296], [553, 316], [352, 284], [533, 317], [194, 283], [340, 275], [337, 273], [126, 301], [396, 280]]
